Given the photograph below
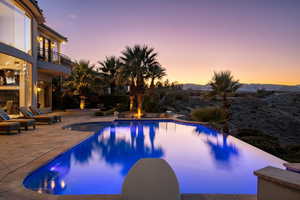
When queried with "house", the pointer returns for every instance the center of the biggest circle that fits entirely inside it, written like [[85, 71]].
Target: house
[[30, 56]]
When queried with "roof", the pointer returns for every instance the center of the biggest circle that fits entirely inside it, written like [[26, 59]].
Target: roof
[[33, 6], [53, 32]]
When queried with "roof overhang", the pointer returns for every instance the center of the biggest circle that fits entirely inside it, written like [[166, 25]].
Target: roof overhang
[[32, 7], [52, 33]]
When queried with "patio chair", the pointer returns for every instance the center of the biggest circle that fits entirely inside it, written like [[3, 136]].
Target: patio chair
[[39, 118], [9, 106], [151, 179], [37, 112], [7, 127], [24, 122]]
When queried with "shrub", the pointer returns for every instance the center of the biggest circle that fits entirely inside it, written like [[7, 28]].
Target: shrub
[[109, 112], [208, 114], [293, 153], [251, 132], [151, 104], [261, 140], [262, 93], [99, 113], [109, 102]]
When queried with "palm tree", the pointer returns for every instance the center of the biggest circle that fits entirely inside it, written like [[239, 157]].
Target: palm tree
[[137, 62], [223, 85], [156, 72], [110, 67], [81, 80]]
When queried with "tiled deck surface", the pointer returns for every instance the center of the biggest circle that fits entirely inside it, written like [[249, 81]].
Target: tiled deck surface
[[22, 153]]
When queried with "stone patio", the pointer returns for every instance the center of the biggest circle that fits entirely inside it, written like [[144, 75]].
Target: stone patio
[[22, 153]]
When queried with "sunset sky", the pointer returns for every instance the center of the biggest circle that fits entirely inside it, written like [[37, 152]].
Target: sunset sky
[[258, 40]]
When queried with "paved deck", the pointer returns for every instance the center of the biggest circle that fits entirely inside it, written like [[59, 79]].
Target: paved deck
[[22, 153]]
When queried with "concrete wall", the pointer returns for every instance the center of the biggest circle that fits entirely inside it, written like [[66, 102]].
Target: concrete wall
[[277, 184]]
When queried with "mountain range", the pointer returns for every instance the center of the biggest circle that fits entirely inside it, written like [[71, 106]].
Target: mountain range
[[248, 87]]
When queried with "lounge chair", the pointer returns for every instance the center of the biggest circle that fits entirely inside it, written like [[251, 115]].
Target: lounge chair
[[151, 179], [39, 118], [7, 127], [37, 112], [24, 122]]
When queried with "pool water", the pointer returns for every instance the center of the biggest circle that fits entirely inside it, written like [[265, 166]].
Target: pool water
[[204, 160]]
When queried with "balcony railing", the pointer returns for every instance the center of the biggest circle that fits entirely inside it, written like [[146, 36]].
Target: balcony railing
[[54, 57]]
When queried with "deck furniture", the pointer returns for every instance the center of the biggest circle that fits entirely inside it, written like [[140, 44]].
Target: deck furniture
[[9, 106], [39, 118], [37, 112], [8, 127], [25, 123], [151, 179]]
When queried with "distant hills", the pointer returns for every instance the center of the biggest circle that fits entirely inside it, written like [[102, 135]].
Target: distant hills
[[248, 87]]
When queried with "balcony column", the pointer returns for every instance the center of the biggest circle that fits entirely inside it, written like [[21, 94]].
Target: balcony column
[[59, 51], [34, 76]]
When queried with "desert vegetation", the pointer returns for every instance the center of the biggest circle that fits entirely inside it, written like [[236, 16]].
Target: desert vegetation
[[266, 119]]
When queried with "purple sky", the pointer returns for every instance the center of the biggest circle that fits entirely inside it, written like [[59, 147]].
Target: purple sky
[[258, 40]]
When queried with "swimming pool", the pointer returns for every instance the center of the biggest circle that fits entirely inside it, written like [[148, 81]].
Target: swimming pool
[[204, 160]]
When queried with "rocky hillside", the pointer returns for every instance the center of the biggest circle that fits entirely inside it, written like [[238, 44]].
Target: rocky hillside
[[248, 87], [276, 115]]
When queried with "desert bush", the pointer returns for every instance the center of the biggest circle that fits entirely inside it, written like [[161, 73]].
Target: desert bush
[[270, 144], [109, 102], [293, 153], [151, 104], [101, 113], [263, 141], [109, 112], [262, 93], [69, 102], [208, 114]]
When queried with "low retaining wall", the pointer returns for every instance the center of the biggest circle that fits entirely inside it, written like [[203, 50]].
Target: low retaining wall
[[277, 184]]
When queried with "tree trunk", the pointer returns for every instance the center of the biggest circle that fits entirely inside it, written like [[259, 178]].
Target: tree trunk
[[131, 103], [152, 83], [226, 113], [112, 88], [140, 104], [151, 89], [82, 102]]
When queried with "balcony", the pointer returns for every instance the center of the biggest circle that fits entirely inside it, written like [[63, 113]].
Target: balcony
[[54, 62], [54, 57]]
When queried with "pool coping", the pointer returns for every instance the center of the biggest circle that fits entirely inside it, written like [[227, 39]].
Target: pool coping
[[16, 190]]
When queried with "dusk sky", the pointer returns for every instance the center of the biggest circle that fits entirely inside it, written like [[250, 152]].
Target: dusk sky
[[258, 40]]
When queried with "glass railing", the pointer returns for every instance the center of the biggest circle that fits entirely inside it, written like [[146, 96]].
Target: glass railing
[[54, 57]]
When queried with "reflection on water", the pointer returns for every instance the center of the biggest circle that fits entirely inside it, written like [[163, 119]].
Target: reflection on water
[[222, 152], [99, 164], [51, 180], [119, 151], [113, 150]]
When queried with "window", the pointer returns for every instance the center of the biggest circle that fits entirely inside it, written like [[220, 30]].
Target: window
[[15, 26], [9, 77], [15, 83]]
